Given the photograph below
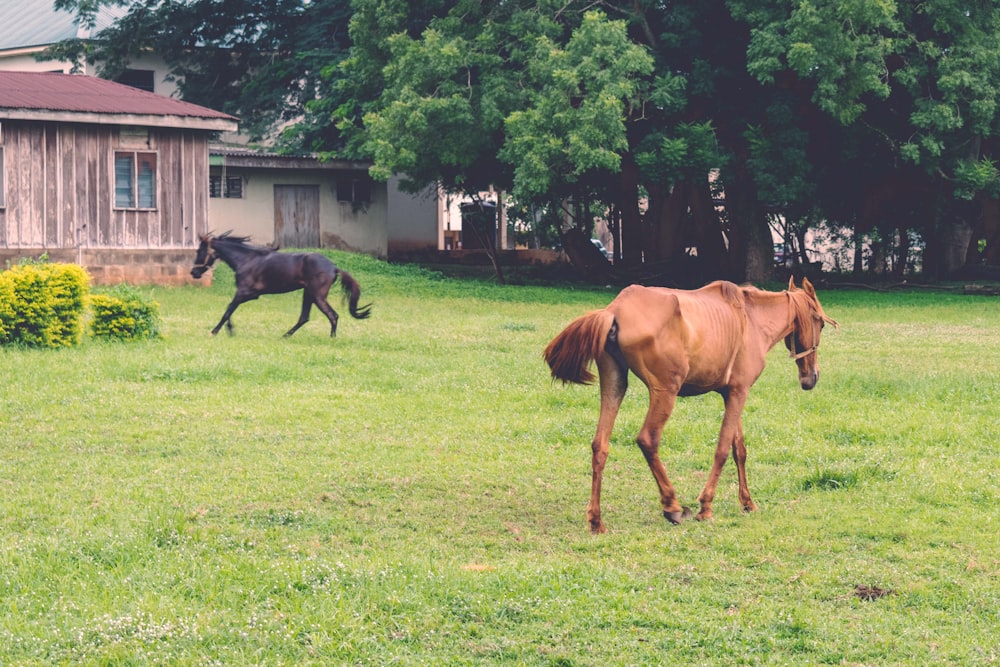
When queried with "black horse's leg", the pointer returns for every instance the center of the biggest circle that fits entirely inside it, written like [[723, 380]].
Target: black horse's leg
[[307, 301], [225, 316], [328, 310], [240, 297]]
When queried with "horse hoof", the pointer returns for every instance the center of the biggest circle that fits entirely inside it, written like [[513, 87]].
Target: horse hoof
[[678, 517], [597, 529]]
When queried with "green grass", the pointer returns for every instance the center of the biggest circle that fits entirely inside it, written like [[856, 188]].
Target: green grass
[[413, 492]]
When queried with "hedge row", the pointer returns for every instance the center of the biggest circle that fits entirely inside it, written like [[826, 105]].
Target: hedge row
[[43, 305]]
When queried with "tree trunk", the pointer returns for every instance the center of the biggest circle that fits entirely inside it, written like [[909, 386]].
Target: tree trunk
[[877, 262], [902, 252], [948, 239], [954, 241], [484, 227], [859, 251], [666, 214], [712, 249], [750, 246], [990, 223], [585, 256], [632, 242]]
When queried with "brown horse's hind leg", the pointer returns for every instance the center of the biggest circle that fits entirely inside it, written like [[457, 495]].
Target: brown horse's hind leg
[[661, 404], [730, 436], [614, 381]]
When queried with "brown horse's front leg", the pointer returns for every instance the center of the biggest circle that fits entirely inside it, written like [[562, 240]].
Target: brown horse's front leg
[[673, 511], [729, 434], [661, 404]]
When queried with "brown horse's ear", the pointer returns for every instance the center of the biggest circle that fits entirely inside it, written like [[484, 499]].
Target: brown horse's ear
[[791, 283], [808, 287]]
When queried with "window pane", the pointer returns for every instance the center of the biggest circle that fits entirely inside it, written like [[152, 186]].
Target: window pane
[[147, 180], [124, 196], [363, 190], [345, 189], [142, 79], [234, 187], [215, 186]]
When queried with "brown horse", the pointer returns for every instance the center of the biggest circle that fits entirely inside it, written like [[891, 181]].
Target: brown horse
[[686, 343]]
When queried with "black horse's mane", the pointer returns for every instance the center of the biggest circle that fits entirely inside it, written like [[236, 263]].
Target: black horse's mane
[[243, 242]]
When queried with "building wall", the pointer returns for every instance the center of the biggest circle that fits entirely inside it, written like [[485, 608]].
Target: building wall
[[343, 225], [23, 60], [412, 221], [59, 187]]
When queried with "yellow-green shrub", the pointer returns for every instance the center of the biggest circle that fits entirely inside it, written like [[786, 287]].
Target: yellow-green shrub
[[123, 313], [42, 305]]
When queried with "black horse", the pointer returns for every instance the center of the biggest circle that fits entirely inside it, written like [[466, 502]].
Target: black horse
[[267, 271]]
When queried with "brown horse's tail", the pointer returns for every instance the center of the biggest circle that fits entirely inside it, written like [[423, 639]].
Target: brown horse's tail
[[570, 353], [352, 292]]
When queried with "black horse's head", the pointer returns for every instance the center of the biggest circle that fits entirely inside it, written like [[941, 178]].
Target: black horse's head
[[205, 257], [803, 340]]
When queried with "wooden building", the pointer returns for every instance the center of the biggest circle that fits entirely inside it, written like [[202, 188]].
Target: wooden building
[[103, 174]]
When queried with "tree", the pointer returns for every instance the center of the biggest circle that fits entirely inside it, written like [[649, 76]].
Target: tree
[[690, 125], [913, 87], [556, 104], [270, 62]]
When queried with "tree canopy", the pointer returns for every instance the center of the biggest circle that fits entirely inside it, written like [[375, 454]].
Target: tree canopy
[[691, 126]]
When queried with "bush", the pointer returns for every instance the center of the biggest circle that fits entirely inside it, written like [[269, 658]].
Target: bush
[[42, 305], [123, 313], [6, 306]]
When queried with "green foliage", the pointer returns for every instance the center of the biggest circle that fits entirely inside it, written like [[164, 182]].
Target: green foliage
[[974, 176], [580, 97], [42, 305], [124, 313], [841, 46], [266, 61], [825, 107], [685, 151]]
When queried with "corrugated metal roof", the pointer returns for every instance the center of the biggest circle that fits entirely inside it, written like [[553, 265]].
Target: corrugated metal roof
[[245, 156], [32, 23], [44, 91]]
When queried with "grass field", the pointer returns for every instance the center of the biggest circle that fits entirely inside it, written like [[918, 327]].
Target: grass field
[[413, 492]]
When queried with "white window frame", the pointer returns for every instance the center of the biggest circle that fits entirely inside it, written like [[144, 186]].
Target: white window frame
[[139, 198]]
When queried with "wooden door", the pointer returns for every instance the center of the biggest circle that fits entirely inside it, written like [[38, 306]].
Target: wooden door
[[296, 216]]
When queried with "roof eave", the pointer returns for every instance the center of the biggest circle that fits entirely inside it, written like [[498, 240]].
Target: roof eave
[[146, 120], [286, 162]]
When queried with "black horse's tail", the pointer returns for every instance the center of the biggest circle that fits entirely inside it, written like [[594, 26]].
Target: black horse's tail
[[352, 291]]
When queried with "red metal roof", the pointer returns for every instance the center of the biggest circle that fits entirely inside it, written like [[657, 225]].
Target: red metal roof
[[45, 91]]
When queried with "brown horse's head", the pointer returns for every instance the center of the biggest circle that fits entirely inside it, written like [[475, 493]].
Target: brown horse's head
[[807, 326], [205, 257]]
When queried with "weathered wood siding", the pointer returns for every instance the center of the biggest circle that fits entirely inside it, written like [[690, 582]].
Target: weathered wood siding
[[59, 180]]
